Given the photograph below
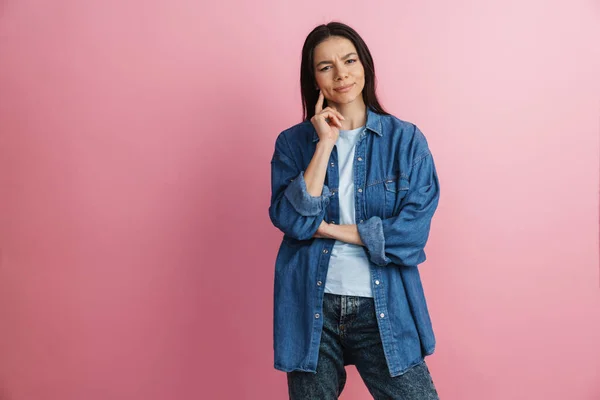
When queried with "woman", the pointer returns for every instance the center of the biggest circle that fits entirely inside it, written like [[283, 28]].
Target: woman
[[353, 190]]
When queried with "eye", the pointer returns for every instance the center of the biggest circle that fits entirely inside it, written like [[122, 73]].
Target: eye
[[353, 61], [324, 69]]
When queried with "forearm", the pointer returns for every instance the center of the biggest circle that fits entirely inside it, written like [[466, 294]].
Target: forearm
[[314, 176], [343, 233]]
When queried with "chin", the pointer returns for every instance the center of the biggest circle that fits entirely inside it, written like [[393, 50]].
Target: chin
[[346, 98]]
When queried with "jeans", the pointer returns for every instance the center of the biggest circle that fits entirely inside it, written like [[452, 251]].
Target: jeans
[[351, 336]]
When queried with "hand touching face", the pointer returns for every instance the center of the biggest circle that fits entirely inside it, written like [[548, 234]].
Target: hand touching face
[[327, 121]]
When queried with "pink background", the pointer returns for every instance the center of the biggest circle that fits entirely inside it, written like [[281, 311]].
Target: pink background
[[136, 252]]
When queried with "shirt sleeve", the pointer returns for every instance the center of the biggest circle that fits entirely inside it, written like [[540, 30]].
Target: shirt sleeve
[[401, 239], [293, 210]]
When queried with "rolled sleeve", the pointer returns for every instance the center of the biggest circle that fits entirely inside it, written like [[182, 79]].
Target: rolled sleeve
[[305, 204], [401, 239], [293, 210], [371, 234]]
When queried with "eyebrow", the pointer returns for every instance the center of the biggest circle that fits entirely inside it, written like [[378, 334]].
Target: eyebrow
[[331, 62]]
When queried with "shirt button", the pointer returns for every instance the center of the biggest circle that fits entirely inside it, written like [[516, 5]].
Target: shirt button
[[319, 283], [332, 222], [317, 315], [359, 190], [359, 158], [377, 282], [325, 251], [361, 221], [381, 315], [332, 164]]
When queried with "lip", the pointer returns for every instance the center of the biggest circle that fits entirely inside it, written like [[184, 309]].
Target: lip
[[344, 89]]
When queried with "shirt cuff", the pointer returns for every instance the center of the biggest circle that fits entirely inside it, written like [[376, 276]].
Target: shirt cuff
[[302, 201], [371, 234]]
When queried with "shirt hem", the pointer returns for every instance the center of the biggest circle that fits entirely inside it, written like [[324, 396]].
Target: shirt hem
[[280, 367]]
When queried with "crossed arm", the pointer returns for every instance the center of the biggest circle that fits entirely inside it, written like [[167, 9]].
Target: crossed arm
[[399, 239], [343, 233]]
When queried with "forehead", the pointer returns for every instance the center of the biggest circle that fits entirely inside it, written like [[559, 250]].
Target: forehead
[[333, 47]]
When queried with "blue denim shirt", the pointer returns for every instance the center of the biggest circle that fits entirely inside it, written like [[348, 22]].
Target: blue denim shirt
[[396, 195]]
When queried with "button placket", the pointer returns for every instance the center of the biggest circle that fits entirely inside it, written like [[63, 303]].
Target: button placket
[[360, 177]]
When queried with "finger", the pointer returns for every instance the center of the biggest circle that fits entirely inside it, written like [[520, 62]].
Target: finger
[[339, 114], [337, 119], [329, 117], [333, 119], [319, 105], [334, 110]]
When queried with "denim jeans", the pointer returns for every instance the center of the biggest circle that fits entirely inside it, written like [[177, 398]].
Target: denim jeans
[[351, 336]]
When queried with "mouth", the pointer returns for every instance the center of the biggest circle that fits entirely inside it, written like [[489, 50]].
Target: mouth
[[343, 89]]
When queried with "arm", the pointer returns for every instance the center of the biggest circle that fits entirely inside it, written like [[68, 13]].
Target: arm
[[298, 198], [344, 233], [314, 176], [401, 239]]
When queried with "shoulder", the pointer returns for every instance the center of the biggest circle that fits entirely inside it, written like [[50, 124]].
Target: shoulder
[[291, 141], [408, 135], [401, 129], [301, 131]]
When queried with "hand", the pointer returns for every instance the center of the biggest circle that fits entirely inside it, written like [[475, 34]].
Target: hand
[[327, 122], [321, 231], [343, 233]]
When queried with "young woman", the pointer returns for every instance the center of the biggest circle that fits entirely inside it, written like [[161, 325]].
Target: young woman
[[354, 190]]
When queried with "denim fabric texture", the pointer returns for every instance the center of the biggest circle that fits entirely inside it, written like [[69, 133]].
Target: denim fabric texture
[[396, 195], [351, 336]]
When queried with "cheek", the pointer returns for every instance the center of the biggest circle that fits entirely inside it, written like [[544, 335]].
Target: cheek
[[362, 78], [361, 85], [322, 83], [362, 74]]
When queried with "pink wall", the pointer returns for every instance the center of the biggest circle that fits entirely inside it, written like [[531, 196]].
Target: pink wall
[[136, 253]]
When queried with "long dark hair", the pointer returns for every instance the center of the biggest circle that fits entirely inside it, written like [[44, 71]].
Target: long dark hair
[[307, 72]]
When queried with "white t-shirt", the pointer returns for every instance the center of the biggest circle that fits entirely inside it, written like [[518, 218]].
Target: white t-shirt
[[349, 272]]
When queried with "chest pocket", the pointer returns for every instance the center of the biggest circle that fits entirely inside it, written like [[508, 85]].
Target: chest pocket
[[395, 189]]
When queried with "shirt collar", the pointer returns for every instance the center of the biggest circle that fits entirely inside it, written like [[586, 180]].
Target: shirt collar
[[373, 124]]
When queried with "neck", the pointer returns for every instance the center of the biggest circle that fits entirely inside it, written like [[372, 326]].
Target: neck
[[355, 113]]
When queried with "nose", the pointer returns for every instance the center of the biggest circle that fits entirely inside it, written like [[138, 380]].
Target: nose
[[342, 73]]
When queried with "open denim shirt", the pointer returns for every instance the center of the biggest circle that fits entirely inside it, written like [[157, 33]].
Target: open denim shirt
[[396, 195]]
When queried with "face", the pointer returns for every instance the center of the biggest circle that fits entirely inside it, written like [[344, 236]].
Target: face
[[338, 70]]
